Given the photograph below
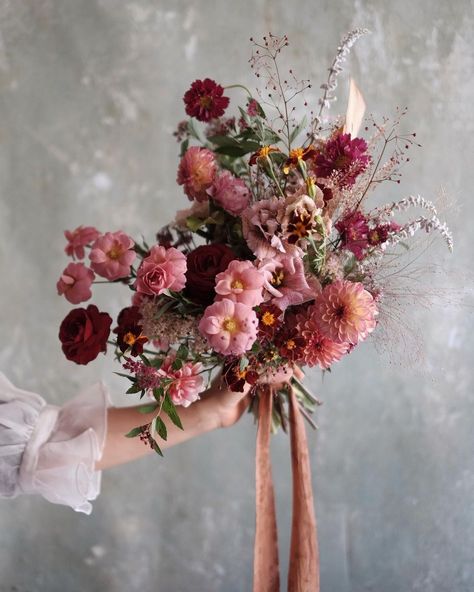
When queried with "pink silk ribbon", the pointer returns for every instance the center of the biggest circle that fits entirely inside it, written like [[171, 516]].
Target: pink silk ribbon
[[303, 572]]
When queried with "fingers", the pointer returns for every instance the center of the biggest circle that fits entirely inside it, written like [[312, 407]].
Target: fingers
[[299, 374]]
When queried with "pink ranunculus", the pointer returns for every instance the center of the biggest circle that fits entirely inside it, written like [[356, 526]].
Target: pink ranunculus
[[78, 239], [230, 327], [286, 283], [187, 382], [112, 255], [240, 282], [75, 283], [163, 269], [197, 170], [230, 192]]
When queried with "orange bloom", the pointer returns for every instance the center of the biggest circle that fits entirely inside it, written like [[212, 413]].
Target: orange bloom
[[298, 155], [262, 154]]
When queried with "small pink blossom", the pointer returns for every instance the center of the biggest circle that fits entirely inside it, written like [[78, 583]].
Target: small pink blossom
[[240, 282], [78, 239], [75, 283], [230, 327], [230, 192], [112, 255], [187, 382], [197, 170], [163, 269]]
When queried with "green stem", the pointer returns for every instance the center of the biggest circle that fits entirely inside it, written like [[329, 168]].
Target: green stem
[[239, 86]]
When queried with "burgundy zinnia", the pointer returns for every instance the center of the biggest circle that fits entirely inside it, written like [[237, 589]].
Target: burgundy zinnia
[[348, 157], [354, 230], [205, 100]]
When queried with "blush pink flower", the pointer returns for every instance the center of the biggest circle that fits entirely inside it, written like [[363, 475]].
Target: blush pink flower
[[346, 312], [75, 283], [187, 382], [230, 192], [196, 172], [261, 227], [112, 255], [78, 239], [163, 269], [230, 327], [240, 282]]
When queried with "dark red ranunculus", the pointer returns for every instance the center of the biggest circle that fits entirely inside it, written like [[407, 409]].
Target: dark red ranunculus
[[205, 100], [204, 263], [84, 333], [129, 331]]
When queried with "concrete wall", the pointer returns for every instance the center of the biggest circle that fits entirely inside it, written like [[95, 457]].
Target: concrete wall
[[90, 93]]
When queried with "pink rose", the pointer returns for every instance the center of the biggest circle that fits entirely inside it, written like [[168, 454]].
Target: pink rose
[[112, 255], [75, 283], [164, 269], [78, 239], [230, 192]]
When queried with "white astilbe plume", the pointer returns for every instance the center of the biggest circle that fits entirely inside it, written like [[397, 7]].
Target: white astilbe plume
[[330, 86], [412, 201]]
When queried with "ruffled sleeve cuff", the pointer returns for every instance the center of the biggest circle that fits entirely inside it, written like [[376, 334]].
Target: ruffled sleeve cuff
[[50, 450]]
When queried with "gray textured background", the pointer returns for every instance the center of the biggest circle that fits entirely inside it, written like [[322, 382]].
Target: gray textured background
[[90, 93]]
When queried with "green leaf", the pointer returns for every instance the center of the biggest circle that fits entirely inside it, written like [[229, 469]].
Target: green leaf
[[170, 410], [131, 378], [297, 130], [192, 129], [147, 408], [158, 393], [160, 427], [184, 147], [244, 362], [134, 432], [183, 352], [194, 223], [177, 364], [133, 389], [156, 448]]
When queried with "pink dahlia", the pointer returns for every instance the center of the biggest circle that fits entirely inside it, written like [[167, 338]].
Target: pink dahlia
[[354, 230], [345, 156], [78, 239], [240, 282], [75, 283], [318, 349], [230, 327], [163, 269], [205, 100], [345, 312], [197, 170], [186, 383], [261, 227], [112, 255], [230, 192]]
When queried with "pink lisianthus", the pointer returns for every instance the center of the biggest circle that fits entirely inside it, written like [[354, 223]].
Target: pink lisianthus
[[163, 269], [196, 172], [78, 239], [345, 312], [261, 227], [187, 382], [230, 192], [240, 282], [112, 255], [286, 283], [230, 327], [75, 283]]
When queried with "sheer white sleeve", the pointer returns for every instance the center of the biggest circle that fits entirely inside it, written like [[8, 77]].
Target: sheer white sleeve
[[52, 450]]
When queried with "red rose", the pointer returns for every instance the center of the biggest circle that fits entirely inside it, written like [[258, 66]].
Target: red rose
[[84, 333], [204, 263]]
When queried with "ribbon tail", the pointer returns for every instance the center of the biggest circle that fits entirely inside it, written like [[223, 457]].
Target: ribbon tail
[[266, 577], [303, 572]]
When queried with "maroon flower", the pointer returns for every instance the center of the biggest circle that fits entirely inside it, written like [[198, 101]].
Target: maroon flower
[[288, 340], [205, 100], [379, 234], [204, 263], [348, 157], [129, 331], [354, 230], [235, 378], [269, 320], [84, 333]]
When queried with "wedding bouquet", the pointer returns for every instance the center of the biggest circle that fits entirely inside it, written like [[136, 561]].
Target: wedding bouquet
[[277, 262]]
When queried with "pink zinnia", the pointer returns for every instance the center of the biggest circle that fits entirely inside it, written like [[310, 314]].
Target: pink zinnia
[[112, 255], [346, 312], [163, 269], [345, 156], [78, 239], [75, 283], [230, 327], [230, 192], [240, 282], [187, 382], [354, 230], [197, 170]]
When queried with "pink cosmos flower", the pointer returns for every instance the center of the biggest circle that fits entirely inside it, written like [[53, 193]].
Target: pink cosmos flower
[[240, 282], [354, 229], [230, 327], [196, 172], [346, 312], [230, 192], [75, 283], [112, 255], [285, 281], [163, 269], [78, 239], [187, 382], [261, 227]]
